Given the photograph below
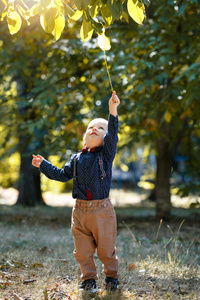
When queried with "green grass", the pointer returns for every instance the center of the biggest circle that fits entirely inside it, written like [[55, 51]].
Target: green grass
[[36, 258]]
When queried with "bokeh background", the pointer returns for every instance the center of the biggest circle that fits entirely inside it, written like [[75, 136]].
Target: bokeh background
[[50, 90]]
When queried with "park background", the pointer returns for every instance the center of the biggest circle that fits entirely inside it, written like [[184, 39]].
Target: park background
[[48, 93]]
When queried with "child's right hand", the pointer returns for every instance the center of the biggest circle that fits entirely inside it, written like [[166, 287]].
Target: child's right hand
[[37, 160]]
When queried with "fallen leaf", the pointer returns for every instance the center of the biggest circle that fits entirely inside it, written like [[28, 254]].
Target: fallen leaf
[[141, 293], [59, 259], [36, 265], [9, 263], [67, 278], [45, 292], [131, 267], [29, 281], [43, 249], [2, 267], [18, 264], [16, 297]]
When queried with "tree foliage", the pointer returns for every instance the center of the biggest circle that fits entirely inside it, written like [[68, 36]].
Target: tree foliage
[[160, 70], [96, 15], [40, 107], [47, 93]]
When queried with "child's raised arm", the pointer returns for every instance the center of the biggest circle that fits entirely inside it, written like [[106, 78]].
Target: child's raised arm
[[37, 160], [113, 104]]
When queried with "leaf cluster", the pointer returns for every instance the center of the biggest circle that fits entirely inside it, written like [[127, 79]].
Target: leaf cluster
[[159, 71], [96, 14]]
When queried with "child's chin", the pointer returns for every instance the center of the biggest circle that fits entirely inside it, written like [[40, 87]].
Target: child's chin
[[95, 145]]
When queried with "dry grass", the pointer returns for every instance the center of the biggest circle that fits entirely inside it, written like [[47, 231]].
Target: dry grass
[[156, 262]]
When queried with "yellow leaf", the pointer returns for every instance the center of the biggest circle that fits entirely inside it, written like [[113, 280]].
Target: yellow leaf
[[94, 11], [59, 3], [125, 16], [4, 14], [86, 31], [4, 2], [69, 10], [167, 116], [77, 15], [104, 42], [59, 26], [92, 87], [45, 3], [44, 25], [34, 10], [106, 15], [23, 13], [48, 19], [14, 22], [42, 22], [136, 10]]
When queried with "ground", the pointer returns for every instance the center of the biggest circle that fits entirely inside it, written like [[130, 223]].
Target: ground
[[157, 260]]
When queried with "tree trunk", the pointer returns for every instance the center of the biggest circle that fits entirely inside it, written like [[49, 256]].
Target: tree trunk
[[27, 192], [37, 183], [29, 180], [162, 184]]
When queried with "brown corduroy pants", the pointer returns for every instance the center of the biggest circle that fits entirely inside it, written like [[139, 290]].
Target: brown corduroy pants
[[94, 228]]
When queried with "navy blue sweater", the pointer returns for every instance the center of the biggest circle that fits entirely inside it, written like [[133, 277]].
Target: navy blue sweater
[[88, 173]]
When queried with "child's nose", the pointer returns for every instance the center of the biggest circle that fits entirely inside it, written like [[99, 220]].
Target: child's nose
[[94, 129]]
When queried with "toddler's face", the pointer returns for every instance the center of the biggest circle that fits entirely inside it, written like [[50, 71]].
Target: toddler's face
[[95, 133]]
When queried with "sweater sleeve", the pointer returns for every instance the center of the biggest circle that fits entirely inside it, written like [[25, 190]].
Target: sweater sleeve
[[111, 138], [54, 173]]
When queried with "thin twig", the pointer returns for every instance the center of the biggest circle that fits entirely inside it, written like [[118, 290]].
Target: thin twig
[[158, 230]]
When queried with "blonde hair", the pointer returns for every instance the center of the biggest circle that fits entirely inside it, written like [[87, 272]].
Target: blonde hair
[[99, 120], [96, 120]]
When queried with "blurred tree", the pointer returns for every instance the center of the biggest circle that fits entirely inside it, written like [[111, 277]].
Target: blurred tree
[[159, 71], [37, 82], [45, 112]]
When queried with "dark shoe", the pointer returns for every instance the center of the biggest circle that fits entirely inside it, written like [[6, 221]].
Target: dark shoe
[[88, 285], [111, 284]]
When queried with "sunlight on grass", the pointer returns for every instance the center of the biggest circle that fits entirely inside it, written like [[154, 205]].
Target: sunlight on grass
[[36, 262], [120, 197]]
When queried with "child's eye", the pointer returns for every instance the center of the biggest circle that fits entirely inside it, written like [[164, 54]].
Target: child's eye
[[101, 128]]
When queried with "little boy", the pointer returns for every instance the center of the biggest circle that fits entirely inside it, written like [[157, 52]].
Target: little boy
[[93, 216]]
